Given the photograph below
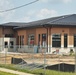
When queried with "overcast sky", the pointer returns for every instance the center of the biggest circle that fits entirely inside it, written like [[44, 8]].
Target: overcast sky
[[37, 11]]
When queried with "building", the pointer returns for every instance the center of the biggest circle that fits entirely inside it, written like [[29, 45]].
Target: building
[[57, 33]]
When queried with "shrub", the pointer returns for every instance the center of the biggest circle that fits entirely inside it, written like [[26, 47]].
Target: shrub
[[71, 52]]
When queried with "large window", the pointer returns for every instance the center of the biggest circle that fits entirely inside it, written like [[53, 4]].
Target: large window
[[31, 40], [65, 40], [43, 40], [39, 40], [20, 40], [9, 35], [11, 44], [6, 44], [56, 40], [74, 40]]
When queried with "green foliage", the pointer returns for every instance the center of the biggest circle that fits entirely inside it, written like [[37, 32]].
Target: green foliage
[[71, 52], [38, 71], [5, 73], [51, 72]]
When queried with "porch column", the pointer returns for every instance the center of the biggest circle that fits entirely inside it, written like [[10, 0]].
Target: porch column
[[70, 40], [48, 40]]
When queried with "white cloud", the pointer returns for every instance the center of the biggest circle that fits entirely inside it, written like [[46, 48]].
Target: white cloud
[[56, 1], [45, 13], [37, 15], [4, 5]]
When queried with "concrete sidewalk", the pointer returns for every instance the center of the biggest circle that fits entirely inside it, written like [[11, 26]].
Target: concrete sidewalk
[[14, 72]]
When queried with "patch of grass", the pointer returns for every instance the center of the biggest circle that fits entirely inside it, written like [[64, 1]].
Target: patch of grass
[[38, 72], [51, 72], [5, 73]]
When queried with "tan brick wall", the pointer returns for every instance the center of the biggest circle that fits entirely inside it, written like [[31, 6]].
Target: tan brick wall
[[22, 32], [26, 33], [40, 31], [61, 31], [72, 31], [8, 30], [31, 31], [69, 31]]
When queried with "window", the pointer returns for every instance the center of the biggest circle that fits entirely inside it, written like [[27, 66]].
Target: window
[[56, 40], [11, 44], [9, 35], [6, 44], [43, 40], [39, 40], [65, 40], [17, 40], [22, 40], [31, 40], [74, 40]]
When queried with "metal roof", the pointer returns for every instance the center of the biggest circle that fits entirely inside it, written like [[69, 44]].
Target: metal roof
[[13, 24], [64, 20], [36, 23], [39, 23]]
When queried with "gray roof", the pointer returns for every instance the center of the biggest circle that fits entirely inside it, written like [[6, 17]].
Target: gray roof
[[64, 20], [13, 24], [36, 23]]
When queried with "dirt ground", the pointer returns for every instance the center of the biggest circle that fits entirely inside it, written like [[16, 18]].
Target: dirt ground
[[50, 59]]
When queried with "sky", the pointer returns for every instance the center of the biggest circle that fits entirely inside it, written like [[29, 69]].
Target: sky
[[42, 9]]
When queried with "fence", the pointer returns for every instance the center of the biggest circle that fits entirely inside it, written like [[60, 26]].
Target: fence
[[31, 58]]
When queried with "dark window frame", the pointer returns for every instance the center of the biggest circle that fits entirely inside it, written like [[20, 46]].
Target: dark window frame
[[31, 38], [44, 39], [11, 44], [39, 35], [74, 40], [6, 44], [9, 35], [56, 40], [65, 40]]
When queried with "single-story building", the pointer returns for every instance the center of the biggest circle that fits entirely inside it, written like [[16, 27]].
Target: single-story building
[[56, 33]]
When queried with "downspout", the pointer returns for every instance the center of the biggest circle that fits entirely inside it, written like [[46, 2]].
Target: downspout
[[46, 37], [46, 27]]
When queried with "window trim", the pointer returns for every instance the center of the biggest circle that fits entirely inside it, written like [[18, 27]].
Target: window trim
[[45, 42], [66, 41], [56, 40], [31, 41], [5, 46]]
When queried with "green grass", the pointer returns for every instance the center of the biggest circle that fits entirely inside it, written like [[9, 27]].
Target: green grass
[[5, 73], [52, 72], [38, 72]]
